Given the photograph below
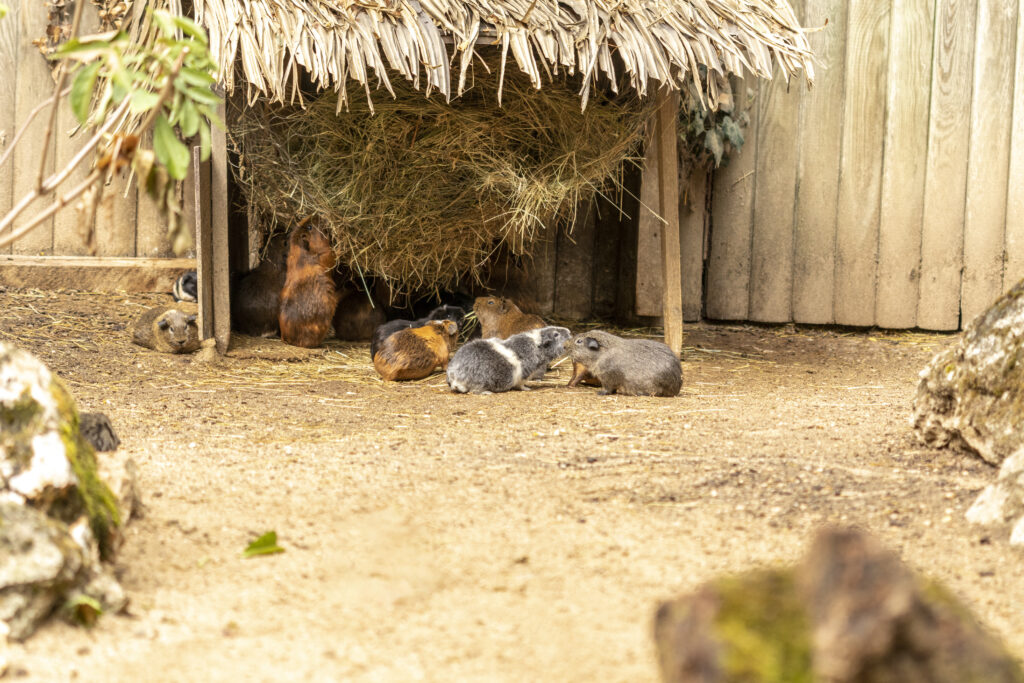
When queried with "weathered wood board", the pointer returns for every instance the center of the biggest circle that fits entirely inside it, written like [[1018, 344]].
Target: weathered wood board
[[903, 174], [649, 226], [988, 165], [9, 41], [92, 274], [574, 285], [819, 139], [671, 261], [693, 224], [1014, 269], [34, 85], [860, 169], [771, 258], [946, 180], [728, 278]]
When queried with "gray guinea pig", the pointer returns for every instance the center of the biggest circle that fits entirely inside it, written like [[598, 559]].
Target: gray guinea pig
[[486, 366], [635, 367]]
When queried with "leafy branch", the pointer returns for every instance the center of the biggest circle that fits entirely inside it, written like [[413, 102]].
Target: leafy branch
[[123, 89]]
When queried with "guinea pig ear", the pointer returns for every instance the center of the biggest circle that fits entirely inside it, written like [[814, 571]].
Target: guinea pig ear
[[163, 324], [592, 344], [191, 319], [452, 327]]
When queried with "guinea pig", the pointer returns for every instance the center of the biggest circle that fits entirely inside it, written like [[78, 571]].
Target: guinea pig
[[186, 287], [580, 375], [501, 318], [413, 353], [635, 367], [256, 305], [486, 366], [309, 296], [357, 317], [168, 329], [453, 313], [97, 430]]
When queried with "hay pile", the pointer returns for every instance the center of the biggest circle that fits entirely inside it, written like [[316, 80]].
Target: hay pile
[[420, 192]]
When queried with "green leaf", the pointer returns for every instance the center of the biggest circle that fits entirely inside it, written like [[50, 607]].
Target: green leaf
[[191, 28], [81, 90], [205, 146], [203, 96], [83, 609], [264, 545], [143, 100], [165, 23], [189, 120], [196, 77], [170, 151]]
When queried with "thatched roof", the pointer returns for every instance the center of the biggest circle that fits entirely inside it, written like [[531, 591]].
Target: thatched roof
[[433, 41]]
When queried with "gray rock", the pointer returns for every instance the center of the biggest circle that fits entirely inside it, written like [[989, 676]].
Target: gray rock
[[57, 516], [1003, 501], [39, 563], [971, 396]]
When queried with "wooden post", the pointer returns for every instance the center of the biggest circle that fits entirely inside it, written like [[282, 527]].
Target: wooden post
[[668, 177], [204, 244], [219, 231]]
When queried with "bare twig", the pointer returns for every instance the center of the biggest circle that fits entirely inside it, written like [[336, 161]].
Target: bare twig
[[51, 183], [61, 78], [28, 120], [62, 201]]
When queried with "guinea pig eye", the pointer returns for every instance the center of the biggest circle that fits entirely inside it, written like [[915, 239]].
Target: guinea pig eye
[[579, 341], [163, 324]]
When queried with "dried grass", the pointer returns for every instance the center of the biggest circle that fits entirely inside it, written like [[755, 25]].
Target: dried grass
[[421, 193]]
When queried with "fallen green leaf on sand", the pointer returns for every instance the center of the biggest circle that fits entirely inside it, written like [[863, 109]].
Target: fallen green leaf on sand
[[264, 545]]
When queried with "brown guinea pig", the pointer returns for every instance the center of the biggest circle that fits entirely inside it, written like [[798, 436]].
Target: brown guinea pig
[[357, 316], [256, 305], [580, 375], [309, 296], [501, 318], [413, 353]]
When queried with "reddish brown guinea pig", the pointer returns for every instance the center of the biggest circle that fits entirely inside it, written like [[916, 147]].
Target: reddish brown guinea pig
[[309, 297], [501, 318], [580, 375], [415, 352]]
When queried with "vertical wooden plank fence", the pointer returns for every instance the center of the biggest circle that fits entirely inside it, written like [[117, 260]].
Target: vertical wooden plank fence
[[1014, 270], [9, 45], [903, 166], [819, 140], [946, 181], [989, 161], [909, 172]]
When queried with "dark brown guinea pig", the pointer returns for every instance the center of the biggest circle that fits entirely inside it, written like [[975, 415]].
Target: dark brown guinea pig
[[413, 353], [256, 305], [357, 316], [309, 296], [501, 318]]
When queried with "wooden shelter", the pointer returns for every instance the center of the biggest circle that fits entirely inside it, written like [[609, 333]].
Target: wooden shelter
[[661, 47]]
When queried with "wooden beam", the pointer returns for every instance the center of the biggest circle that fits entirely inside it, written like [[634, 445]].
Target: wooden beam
[[668, 175], [92, 274], [204, 245], [649, 284], [219, 230]]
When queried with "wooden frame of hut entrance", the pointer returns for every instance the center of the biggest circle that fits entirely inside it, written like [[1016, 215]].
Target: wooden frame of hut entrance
[[660, 177]]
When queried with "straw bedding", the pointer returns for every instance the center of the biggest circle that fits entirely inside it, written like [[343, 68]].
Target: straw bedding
[[420, 192]]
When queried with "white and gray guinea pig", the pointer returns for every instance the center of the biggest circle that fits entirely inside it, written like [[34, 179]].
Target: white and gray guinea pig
[[486, 366], [186, 287]]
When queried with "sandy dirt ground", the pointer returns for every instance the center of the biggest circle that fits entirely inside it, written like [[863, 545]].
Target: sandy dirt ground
[[519, 537]]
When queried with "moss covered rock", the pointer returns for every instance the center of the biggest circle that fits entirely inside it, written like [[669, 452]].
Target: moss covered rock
[[849, 612], [44, 461], [57, 516], [971, 396]]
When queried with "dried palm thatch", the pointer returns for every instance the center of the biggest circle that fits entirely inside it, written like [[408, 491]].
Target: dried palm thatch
[[422, 192], [660, 40]]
